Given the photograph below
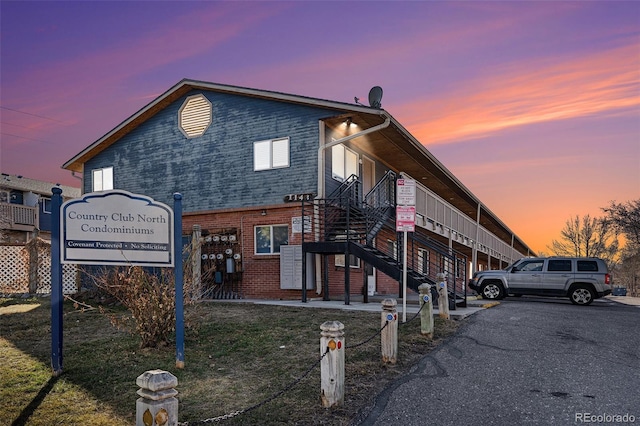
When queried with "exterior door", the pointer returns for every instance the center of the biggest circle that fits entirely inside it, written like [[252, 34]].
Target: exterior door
[[368, 174]]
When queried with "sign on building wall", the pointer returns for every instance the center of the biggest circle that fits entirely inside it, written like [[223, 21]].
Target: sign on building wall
[[297, 225], [116, 228]]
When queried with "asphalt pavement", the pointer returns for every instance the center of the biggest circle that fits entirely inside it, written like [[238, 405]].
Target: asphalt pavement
[[527, 361]]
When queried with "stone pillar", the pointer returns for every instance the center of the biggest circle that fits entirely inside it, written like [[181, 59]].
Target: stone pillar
[[426, 312], [332, 364], [389, 334], [157, 405], [443, 296]]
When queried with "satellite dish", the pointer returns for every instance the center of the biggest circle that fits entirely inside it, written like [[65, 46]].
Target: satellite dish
[[375, 97]]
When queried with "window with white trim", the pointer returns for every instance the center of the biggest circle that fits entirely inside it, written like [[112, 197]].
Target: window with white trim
[[271, 154], [344, 162], [46, 205], [102, 179], [423, 261], [269, 238]]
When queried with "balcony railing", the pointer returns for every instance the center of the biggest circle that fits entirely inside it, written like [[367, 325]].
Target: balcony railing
[[18, 217]]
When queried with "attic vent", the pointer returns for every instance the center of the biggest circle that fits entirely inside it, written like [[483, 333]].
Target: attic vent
[[195, 116]]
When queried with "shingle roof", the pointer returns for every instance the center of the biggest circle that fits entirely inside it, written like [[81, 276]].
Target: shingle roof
[[22, 183]]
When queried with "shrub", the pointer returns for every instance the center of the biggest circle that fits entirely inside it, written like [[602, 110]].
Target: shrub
[[149, 297]]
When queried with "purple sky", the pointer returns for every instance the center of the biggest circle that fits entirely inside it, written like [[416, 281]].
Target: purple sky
[[534, 106]]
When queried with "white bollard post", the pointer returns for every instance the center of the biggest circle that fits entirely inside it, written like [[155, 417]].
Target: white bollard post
[[389, 334], [443, 296], [157, 405], [426, 312], [332, 364]]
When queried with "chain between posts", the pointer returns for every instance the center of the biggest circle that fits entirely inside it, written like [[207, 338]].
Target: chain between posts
[[369, 339], [261, 403], [295, 382], [415, 316]]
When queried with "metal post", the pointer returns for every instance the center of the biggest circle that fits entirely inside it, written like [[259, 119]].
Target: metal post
[[56, 284], [179, 277], [404, 278]]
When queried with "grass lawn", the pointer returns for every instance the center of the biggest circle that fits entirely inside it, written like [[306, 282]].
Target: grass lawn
[[236, 355]]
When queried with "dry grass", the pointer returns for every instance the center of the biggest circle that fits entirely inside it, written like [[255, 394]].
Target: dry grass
[[237, 355]]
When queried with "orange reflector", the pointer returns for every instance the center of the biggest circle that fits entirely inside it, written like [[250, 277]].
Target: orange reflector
[[332, 344]]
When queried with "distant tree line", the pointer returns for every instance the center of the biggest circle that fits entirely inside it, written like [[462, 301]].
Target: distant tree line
[[588, 236]]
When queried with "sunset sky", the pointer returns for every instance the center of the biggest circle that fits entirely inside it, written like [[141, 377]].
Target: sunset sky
[[534, 106]]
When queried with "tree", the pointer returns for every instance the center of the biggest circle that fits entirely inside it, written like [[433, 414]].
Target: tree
[[587, 237], [625, 218]]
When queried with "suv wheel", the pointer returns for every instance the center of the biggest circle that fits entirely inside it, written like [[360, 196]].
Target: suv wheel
[[581, 295], [492, 291]]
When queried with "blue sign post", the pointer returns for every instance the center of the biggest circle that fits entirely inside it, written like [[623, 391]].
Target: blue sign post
[[56, 284], [177, 240], [117, 228]]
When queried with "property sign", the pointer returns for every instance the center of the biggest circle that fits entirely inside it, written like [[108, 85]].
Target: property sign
[[405, 218], [116, 228], [406, 192]]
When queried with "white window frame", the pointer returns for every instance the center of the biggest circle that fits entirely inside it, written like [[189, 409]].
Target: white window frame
[[423, 261], [44, 205], [271, 238], [102, 179], [341, 167], [271, 154], [354, 261]]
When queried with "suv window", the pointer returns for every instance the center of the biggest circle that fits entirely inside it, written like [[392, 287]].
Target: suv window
[[560, 265], [530, 266], [587, 266]]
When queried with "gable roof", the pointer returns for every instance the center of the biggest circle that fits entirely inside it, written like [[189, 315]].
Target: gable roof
[[392, 142]]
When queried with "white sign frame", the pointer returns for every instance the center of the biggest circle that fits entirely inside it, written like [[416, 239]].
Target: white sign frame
[[117, 228]]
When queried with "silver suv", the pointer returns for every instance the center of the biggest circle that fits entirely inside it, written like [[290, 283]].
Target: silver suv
[[581, 279]]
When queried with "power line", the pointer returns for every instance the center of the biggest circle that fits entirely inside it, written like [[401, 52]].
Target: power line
[[33, 115]]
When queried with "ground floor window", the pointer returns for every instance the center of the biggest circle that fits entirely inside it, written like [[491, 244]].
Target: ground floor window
[[354, 262], [269, 238]]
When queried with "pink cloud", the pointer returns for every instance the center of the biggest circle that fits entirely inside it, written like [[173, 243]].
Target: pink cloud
[[603, 83]]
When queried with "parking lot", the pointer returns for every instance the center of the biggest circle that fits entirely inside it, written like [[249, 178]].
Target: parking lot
[[529, 360]]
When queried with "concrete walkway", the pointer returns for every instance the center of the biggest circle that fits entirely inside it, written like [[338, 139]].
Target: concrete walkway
[[627, 300], [374, 305]]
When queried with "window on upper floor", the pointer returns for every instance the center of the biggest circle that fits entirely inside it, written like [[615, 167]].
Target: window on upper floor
[[269, 238], [271, 154], [102, 179], [4, 197], [344, 162]]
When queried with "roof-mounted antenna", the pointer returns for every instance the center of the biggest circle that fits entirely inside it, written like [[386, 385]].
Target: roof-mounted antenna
[[357, 99]]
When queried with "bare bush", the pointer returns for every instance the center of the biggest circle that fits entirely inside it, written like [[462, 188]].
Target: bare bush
[[150, 299]]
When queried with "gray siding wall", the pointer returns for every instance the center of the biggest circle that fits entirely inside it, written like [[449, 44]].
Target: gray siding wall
[[215, 171]]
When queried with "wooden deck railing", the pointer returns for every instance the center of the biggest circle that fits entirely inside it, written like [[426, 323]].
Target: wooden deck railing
[[17, 216]]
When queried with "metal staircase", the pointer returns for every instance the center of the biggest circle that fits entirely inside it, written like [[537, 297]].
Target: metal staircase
[[345, 222]]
